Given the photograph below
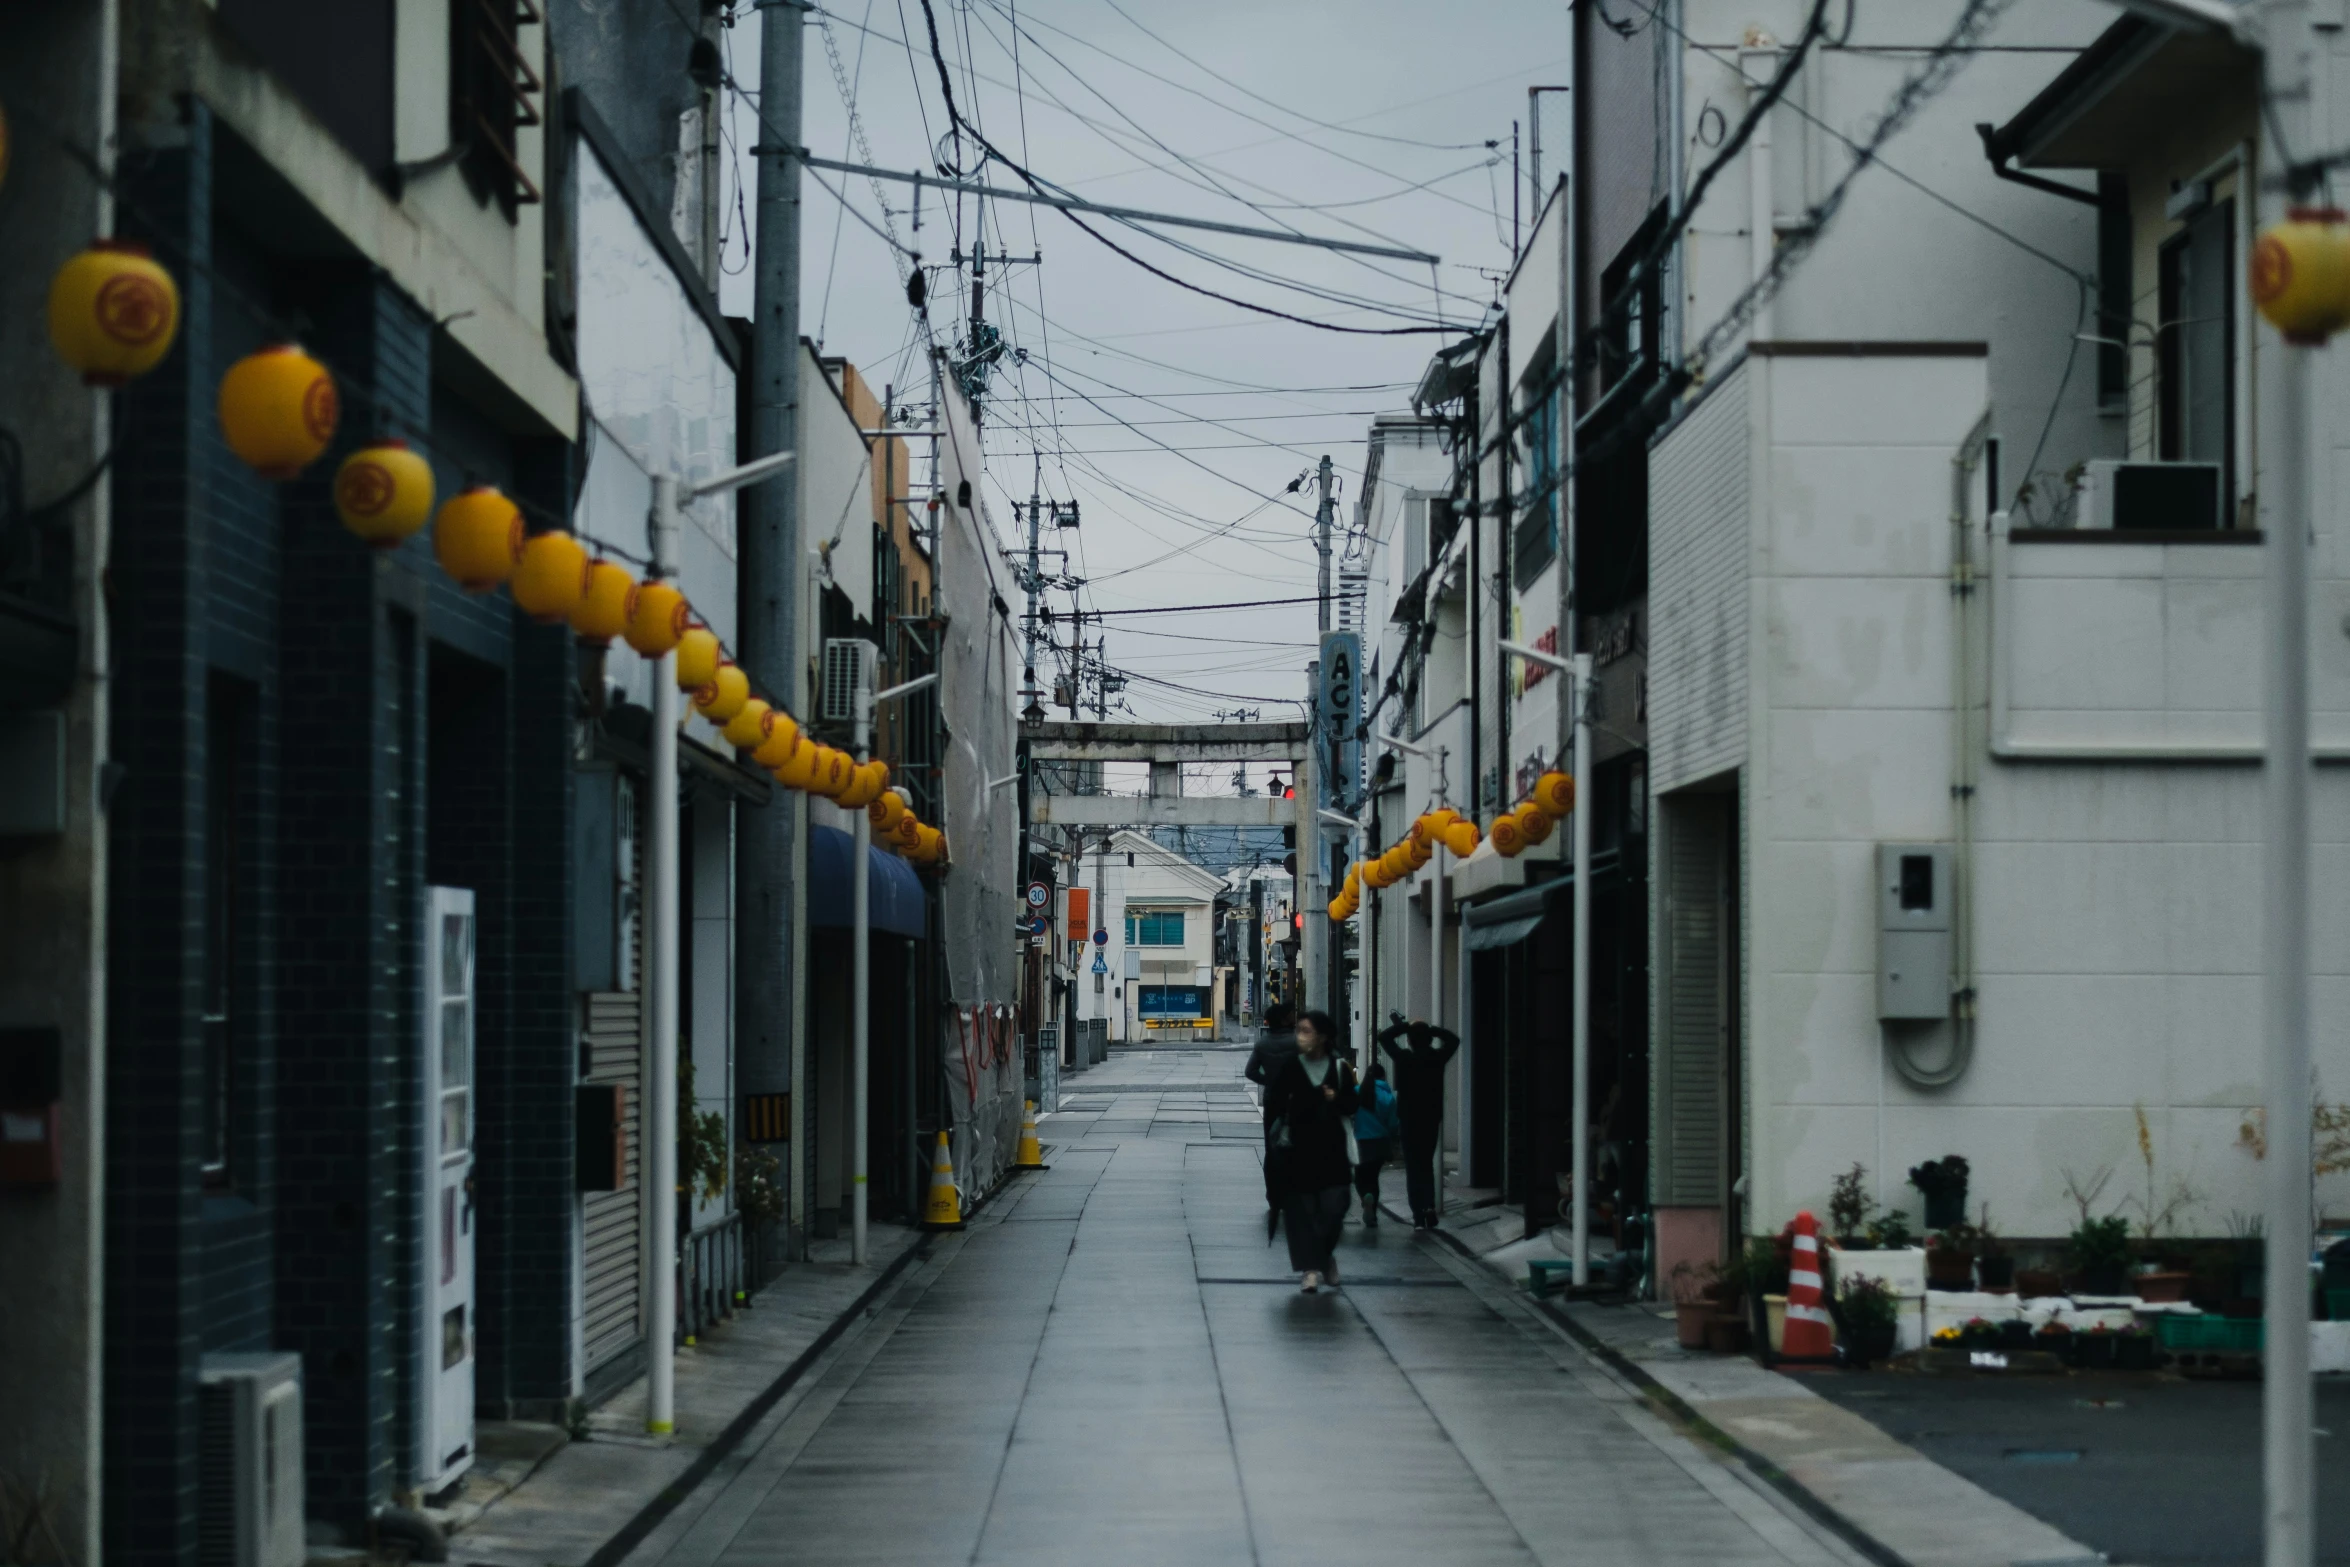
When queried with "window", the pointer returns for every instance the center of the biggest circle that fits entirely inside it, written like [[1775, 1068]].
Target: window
[[1537, 535], [491, 86], [2197, 346], [1154, 928]]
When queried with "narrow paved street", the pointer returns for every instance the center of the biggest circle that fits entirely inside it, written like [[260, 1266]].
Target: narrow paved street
[[1110, 1366]]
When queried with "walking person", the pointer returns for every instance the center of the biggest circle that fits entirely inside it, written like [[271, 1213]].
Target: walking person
[[1312, 1099], [1378, 1136], [1421, 1051], [1276, 1043]]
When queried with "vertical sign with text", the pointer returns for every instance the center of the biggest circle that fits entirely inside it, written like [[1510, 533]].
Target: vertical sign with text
[[1338, 710]]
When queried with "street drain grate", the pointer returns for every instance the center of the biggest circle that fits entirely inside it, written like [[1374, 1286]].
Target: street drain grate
[[2042, 1455]]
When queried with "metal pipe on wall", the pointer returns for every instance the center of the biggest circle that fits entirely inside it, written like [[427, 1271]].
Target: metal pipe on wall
[[661, 981]]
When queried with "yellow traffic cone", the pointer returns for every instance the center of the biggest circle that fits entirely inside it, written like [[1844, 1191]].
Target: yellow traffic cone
[[945, 1210], [1031, 1156]]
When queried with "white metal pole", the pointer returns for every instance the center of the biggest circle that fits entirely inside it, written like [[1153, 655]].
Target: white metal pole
[[661, 1102], [1579, 692], [861, 945]]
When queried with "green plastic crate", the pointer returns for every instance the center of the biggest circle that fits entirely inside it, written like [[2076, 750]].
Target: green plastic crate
[[2211, 1335]]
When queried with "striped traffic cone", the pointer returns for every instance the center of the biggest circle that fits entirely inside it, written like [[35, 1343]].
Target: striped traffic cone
[[1031, 1155], [1808, 1335], [945, 1209]]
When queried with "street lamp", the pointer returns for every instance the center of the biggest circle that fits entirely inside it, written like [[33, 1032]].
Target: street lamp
[[1577, 668], [861, 946], [661, 978]]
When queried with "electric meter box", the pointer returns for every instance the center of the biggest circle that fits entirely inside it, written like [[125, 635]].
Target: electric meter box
[[1913, 931]]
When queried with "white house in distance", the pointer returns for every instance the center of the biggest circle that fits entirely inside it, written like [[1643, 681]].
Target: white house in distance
[[1159, 909]]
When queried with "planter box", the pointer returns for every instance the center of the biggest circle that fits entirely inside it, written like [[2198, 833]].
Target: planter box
[[1903, 1270], [1955, 1309]]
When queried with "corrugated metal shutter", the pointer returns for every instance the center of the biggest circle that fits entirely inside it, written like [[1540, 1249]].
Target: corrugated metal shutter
[[1697, 629], [1692, 1027], [608, 1262]]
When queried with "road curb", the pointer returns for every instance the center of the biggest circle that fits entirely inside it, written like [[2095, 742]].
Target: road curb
[[633, 1533], [1813, 1505]]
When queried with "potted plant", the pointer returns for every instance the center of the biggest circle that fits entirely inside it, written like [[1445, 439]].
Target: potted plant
[[1979, 1333], [1871, 1315], [2096, 1348], [1950, 1258], [2133, 1349], [1691, 1304], [1943, 1184], [1993, 1265], [2055, 1338], [1849, 1206], [2015, 1335], [1889, 1231], [2100, 1252], [2155, 1282]]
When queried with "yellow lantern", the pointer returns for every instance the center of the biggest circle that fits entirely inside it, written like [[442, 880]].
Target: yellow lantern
[[930, 846], [1423, 827], [278, 410], [1460, 837], [383, 492], [830, 775], [1555, 793], [2300, 274], [551, 579], [799, 769], [113, 312], [940, 850], [1354, 878], [1533, 821], [477, 538], [865, 785], [1508, 838], [886, 812], [1419, 851], [697, 658], [657, 617], [726, 695], [781, 737], [603, 612], [748, 724], [908, 831]]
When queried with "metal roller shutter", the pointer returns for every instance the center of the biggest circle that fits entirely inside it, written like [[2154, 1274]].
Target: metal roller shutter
[[1691, 1032]]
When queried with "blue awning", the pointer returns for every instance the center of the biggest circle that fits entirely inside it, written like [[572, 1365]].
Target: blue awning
[[894, 893]]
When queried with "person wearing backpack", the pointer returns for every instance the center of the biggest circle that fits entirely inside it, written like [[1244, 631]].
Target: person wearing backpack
[[1378, 1134], [1311, 1102]]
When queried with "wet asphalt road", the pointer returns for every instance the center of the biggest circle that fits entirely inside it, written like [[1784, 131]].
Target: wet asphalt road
[[2153, 1470], [1110, 1366]]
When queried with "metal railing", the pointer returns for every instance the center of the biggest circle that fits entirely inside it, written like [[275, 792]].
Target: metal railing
[[713, 1279]]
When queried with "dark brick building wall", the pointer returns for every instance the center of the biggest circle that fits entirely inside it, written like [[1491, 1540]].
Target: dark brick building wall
[[388, 732]]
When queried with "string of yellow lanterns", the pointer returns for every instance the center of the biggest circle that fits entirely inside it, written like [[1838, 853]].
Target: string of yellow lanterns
[[1531, 821], [113, 316]]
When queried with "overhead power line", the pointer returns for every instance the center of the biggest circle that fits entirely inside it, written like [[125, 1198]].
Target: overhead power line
[[1042, 198]]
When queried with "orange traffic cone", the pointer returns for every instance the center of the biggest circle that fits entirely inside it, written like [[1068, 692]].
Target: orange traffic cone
[[1808, 1335], [945, 1209], [1031, 1155]]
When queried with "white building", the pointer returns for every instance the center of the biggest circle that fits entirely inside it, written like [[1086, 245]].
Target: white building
[[1159, 910]]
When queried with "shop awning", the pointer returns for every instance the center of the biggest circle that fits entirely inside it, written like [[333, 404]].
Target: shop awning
[[894, 893], [1504, 920]]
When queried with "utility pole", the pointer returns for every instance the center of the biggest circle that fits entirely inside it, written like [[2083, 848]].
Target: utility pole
[[768, 977], [1032, 582], [1322, 548], [660, 1111]]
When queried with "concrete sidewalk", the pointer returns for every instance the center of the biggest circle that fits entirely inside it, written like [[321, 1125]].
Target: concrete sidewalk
[[1891, 1503], [540, 1500]]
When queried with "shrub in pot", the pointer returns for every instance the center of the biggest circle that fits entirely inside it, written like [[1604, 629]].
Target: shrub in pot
[[2054, 1338], [1889, 1231], [1950, 1258], [2096, 1348], [1979, 1333], [2100, 1253], [1871, 1315], [1993, 1266], [1942, 1182], [1849, 1206], [2015, 1335]]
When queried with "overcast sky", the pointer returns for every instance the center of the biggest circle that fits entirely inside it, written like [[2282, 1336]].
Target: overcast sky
[[1364, 120]]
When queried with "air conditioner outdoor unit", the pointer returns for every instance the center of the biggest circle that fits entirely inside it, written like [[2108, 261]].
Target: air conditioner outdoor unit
[[249, 1457], [2150, 497], [848, 670]]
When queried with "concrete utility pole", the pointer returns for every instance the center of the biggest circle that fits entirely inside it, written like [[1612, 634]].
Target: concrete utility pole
[[767, 602], [660, 1115], [1322, 548]]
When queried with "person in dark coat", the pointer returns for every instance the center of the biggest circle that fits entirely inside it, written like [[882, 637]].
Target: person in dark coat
[[1420, 1051], [1313, 1098]]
